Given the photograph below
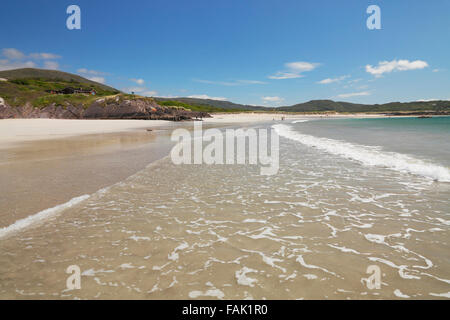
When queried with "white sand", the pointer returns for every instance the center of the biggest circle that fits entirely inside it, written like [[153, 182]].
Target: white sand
[[19, 130]]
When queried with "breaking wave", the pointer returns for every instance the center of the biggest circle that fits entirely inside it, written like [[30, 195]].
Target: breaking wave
[[371, 156]]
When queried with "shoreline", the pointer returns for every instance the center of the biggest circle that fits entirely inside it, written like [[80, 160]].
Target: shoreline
[[14, 131], [58, 160], [43, 173]]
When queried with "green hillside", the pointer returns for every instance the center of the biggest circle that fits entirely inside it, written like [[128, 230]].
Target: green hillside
[[34, 86]]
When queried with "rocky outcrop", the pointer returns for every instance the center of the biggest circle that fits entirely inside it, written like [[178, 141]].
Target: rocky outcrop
[[101, 109]]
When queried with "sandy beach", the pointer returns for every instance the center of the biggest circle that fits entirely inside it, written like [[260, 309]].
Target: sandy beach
[[45, 162], [20, 130], [23, 130], [146, 229]]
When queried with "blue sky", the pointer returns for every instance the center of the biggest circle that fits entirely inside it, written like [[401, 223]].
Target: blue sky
[[247, 51]]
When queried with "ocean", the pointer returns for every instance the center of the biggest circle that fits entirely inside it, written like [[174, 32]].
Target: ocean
[[351, 195]]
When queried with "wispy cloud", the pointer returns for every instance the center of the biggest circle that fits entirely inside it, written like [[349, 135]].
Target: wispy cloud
[[15, 59], [13, 54], [143, 91], [91, 72], [98, 79], [135, 89], [333, 80], [94, 75], [395, 65], [138, 81], [53, 65], [6, 64], [44, 56], [149, 93], [204, 96], [231, 83], [272, 99], [294, 70], [353, 94]]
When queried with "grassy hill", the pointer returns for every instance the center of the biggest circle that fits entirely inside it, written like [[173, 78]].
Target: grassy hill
[[30, 73], [32, 85]]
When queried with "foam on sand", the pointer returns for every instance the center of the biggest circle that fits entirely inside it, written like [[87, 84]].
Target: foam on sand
[[21, 224], [216, 293], [369, 156]]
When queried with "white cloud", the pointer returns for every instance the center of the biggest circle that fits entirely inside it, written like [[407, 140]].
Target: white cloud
[[395, 65], [149, 93], [135, 89], [97, 79], [285, 75], [16, 59], [44, 56], [13, 54], [53, 65], [332, 80], [138, 81], [272, 100], [301, 66], [231, 83], [294, 70], [353, 94], [204, 96], [143, 91], [9, 65], [91, 72]]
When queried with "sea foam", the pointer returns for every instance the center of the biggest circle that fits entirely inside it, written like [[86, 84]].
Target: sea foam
[[367, 155], [38, 217]]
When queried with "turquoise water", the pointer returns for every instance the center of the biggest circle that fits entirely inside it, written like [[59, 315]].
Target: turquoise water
[[426, 139]]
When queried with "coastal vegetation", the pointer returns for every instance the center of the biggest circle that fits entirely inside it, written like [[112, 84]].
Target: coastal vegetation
[[41, 88], [38, 88]]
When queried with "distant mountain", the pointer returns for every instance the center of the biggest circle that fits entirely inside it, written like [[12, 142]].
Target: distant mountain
[[336, 106], [209, 105], [219, 104], [32, 85], [31, 73]]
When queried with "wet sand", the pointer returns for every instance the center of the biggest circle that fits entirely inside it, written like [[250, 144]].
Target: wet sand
[[42, 174], [47, 162]]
